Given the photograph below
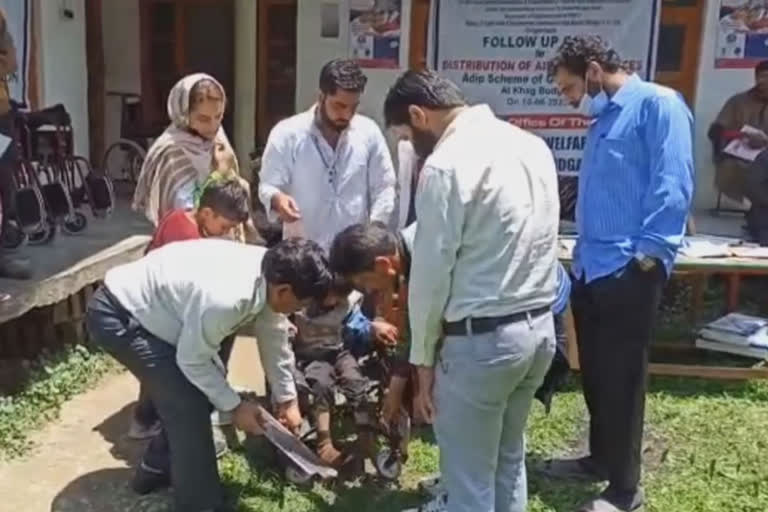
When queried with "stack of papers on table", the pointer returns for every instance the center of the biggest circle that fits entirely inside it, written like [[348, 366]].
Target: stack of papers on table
[[749, 251], [700, 247], [736, 333]]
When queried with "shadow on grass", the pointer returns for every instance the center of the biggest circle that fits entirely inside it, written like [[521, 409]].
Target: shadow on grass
[[556, 494], [256, 475]]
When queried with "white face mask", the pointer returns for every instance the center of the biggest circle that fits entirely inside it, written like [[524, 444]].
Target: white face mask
[[592, 107]]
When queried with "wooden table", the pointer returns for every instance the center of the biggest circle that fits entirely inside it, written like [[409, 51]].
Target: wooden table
[[698, 271]]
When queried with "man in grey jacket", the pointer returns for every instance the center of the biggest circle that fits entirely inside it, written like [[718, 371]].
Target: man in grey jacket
[[164, 317]]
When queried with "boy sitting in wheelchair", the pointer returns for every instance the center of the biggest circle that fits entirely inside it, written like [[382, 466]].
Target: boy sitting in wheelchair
[[324, 365]]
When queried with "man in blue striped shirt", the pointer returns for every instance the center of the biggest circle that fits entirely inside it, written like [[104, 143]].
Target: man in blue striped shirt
[[635, 191]]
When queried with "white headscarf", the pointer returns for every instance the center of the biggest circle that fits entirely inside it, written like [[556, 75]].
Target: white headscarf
[[161, 178]]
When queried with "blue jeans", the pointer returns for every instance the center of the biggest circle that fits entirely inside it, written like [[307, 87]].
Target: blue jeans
[[185, 447], [483, 392]]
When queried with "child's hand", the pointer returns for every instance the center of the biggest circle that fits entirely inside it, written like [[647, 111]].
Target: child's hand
[[385, 333]]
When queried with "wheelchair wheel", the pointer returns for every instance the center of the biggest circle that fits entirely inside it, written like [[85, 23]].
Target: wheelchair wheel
[[45, 234], [13, 236], [388, 465], [123, 160], [76, 224]]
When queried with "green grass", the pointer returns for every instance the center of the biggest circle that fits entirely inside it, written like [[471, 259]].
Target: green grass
[[54, 379], [706, 453]]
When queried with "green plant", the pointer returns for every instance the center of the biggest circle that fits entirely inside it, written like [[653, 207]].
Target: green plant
[[54, 379]]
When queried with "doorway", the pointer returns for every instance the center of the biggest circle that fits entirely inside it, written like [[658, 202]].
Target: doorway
[[276, 78], [179, 37], [677, 55]]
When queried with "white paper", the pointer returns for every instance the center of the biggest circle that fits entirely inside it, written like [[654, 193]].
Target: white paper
[[750, 252], [740, 149], [702, 248], [292, 447]]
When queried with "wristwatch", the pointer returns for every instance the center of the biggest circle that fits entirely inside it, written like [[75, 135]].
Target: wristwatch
[[645, 263]]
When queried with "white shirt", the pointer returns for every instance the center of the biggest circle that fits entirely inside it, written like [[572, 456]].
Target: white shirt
[[333, 188], [193, 294], [407, 166], [486, 239]]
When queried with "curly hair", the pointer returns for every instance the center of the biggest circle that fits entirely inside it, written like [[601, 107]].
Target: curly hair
[[576, 52]]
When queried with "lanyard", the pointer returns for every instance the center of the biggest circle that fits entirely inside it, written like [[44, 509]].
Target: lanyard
[[330, 169]]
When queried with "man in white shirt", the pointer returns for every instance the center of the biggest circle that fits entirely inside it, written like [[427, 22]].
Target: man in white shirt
[[328, 167], [164, 317], [483, 276]]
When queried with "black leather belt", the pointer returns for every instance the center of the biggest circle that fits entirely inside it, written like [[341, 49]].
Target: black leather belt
[[482, 325]]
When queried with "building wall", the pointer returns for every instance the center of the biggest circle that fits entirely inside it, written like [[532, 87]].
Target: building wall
[[63, 69], [314, 51], [245, 82], [714, 87]]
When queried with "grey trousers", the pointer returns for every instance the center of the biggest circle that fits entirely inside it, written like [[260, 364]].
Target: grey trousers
[[483, 392]]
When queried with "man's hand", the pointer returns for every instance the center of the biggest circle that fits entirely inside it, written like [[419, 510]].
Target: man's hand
[[423, 404], [247, 417], [289, 415], [756, 140], [384, 333], [286, 208]]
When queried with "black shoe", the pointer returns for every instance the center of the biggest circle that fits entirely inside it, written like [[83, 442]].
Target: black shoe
[[582, 469], [146, 481]]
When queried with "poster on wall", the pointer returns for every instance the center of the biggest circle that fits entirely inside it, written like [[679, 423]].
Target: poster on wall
[[742, 39], [498, 52], [374, 33], [19, 20]]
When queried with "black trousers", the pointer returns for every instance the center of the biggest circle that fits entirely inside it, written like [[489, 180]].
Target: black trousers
[[321, 376], [145, 412], [614, 318], [185, 447]]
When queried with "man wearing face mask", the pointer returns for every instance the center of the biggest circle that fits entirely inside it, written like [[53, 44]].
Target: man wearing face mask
[[635, 191], [483, 277], [329, 167]]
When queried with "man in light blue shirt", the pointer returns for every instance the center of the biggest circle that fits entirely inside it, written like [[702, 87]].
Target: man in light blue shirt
[[635, 191]]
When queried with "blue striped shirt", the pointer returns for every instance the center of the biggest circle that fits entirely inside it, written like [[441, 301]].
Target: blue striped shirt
[[636, 181], [563, 290]]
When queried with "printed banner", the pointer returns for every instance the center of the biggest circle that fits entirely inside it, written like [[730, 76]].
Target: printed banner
[[742, 39], [374, 33], [498, 52]]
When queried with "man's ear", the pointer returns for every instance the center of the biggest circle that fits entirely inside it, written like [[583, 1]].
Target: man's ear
[[418, 116], [382, 265]]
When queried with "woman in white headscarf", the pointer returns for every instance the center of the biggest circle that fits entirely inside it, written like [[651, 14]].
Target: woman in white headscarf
[[179, 161]]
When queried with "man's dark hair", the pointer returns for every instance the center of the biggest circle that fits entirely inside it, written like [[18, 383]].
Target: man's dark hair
[[424, 89], [576, 52], [344, 74], [226, 198], [761, 66], [300, 263], [355, 249]]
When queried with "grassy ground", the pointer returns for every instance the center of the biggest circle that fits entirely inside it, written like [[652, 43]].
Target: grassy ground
[[52, 380], [705, 452]]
